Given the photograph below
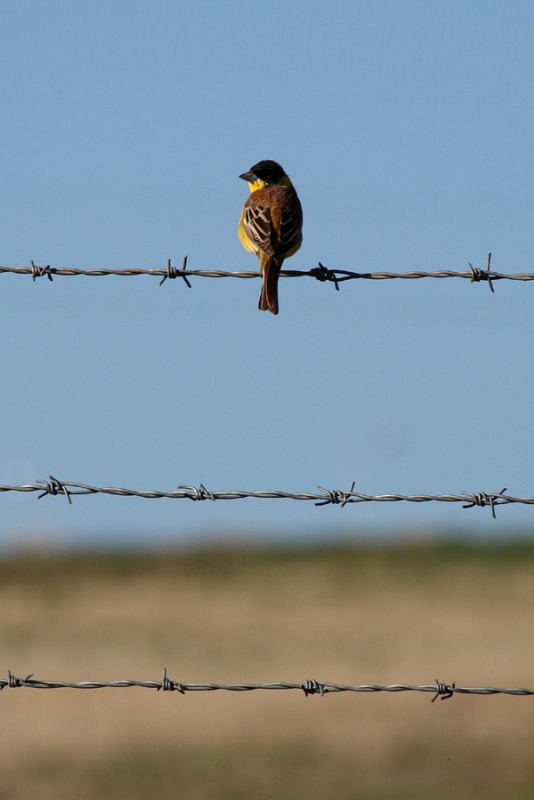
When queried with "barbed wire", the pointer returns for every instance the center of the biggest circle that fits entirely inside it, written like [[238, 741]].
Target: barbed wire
[[323, 497], [442, 690], [320, 273]]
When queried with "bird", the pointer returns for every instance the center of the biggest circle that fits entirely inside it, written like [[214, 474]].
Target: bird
[[270, 225]]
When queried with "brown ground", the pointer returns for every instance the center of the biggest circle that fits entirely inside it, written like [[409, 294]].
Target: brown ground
[[404, 615]]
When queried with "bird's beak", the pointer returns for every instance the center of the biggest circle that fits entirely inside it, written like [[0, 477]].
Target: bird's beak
[[249, 177]]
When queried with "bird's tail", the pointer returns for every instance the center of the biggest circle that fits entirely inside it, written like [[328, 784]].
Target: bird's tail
[[270, 270]]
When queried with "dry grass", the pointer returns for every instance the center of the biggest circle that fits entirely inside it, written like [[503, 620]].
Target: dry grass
[[358, 616]]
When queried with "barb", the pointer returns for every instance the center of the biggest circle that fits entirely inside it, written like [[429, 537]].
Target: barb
[[39, 272], [323, 274], [172, 272], [54, 487], [320, 273], [335, 496], [482, 499], [324, 497], [443, 690], [482, 275]]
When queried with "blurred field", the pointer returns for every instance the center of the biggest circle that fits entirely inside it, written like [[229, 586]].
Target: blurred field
[[402, 614]]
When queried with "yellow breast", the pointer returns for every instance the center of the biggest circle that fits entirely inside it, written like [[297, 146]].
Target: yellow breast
[[243, 238]]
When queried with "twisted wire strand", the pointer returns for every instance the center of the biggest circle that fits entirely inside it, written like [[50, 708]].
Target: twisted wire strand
[[320, 273], [310, 686], [324, 497]]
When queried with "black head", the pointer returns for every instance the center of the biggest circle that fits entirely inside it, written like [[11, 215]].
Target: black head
[[268, 171]]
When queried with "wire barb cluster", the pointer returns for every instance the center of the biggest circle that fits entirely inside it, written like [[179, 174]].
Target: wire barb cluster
[[442, 690], [69, 489], [320, 273], [482, 275]]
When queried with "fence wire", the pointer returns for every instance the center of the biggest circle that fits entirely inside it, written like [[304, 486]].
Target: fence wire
[[320, 273], [442, 690], [323, 497]]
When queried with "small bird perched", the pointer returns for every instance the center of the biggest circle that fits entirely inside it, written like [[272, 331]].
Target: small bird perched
[[270, 225]]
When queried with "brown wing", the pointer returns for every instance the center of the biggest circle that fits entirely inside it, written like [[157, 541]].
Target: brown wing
[[290, 235], [258, 223], [273, 220]]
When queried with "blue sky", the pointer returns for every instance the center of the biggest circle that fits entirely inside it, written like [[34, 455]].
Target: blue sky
[[407, 128]]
